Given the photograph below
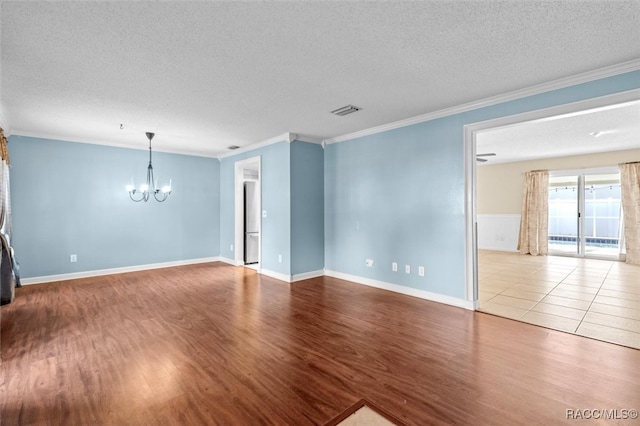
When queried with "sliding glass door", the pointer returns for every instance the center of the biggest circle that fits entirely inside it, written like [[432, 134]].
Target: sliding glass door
[[563, 215], [602, 215], [585, 215]]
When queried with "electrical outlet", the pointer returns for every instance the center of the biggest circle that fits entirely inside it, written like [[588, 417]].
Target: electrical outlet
[[407, 269], [279, 258], [264, 213], [394, 267], [73, 258], [369, 262], [421, 271], [231, 247]]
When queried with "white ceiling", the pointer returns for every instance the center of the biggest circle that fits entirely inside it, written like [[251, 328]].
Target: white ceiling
[[589, 132], [206, 75]]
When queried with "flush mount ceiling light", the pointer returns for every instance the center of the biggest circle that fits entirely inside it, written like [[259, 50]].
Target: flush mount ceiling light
[[151, 186], [348, 109]]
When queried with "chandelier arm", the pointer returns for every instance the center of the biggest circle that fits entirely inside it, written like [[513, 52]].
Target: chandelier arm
[[165, 195], [131, 194]]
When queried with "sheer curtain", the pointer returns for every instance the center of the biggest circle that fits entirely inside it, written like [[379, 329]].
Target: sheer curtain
[[534, 223], [630, 185]]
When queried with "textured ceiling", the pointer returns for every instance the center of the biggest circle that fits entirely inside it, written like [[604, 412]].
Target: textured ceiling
[[206, 75], [600, 130]]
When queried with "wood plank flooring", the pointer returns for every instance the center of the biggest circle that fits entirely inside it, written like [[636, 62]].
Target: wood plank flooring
[[221, 345]]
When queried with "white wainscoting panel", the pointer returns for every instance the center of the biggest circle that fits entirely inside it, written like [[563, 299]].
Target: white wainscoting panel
[[498, 231]]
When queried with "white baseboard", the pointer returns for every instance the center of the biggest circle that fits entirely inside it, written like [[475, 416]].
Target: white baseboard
[[111, 271], [292, 278], [422, 294], [277, 275], [307, 275], [409, 291], [230, 261]]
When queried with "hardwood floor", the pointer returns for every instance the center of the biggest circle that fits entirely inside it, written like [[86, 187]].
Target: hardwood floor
[[216, 344]]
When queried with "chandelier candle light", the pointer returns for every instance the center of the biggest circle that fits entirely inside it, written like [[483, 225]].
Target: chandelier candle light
[[151, 186]]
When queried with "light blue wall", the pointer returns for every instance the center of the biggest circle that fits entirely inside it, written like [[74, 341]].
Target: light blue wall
[[307, 207], [399, 195], [275, 183], [70, 198], [392, 196]]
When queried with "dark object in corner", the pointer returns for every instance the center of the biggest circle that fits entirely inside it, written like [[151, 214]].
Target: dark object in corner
[[9, 276]]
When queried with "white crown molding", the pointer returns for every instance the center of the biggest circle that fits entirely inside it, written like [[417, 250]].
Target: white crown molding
[[285, 137], [281, 138], [28, 134], [610, 71], [409, 291], [111, 271], [572, 109], [309, 139]]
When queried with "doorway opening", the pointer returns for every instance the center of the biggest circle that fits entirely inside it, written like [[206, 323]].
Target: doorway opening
[[471, 132], [586, 291], [248, 218]]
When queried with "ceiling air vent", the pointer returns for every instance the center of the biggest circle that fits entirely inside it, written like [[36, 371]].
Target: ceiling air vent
[[345, 110], [232, 147]]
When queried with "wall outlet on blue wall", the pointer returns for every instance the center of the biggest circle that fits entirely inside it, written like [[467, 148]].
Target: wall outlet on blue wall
[[369, 262], [394, 266], [407, 269], [421, 271], [279, 258], [73, 258], [231, 247]]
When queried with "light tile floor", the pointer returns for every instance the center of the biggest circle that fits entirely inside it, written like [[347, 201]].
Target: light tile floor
[[588, 297]]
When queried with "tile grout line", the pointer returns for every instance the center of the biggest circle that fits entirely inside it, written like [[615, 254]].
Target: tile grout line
[[594, 297], [513, 282], [549, 292]]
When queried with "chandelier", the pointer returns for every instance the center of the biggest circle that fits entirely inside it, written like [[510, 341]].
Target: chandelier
[[151, 186]]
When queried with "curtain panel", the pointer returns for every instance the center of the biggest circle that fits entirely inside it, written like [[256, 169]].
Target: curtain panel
[[5, 199], [9, 278], [630, 185], [534, 222]]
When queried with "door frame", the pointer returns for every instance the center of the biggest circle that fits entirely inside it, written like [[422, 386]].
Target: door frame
[[239, 179], [469, 149]]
